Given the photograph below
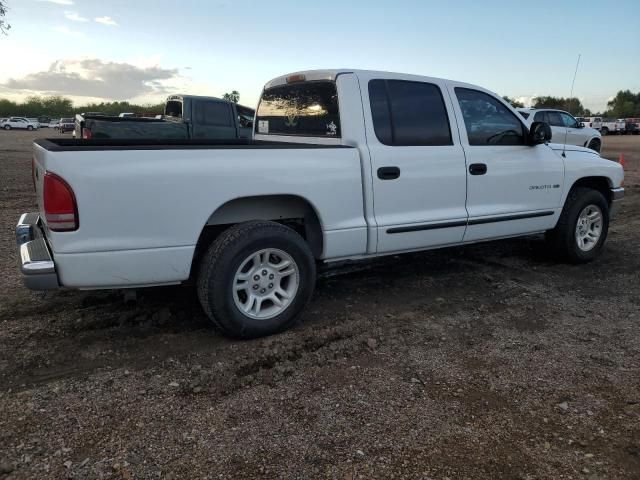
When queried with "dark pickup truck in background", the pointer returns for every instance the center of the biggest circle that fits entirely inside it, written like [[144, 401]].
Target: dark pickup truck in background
[[185, 117]]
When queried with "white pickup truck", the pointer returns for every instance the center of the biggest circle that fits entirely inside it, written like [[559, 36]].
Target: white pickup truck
[[345, 165]]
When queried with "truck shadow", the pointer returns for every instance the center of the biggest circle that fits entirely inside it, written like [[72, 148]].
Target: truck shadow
[[79, 333]]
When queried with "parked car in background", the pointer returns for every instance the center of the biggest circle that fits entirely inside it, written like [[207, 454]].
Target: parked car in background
[[20, 123], [54, 123], [186, 116], [125, 115], [591, 122], [34, 121], [632, 125], [612, 126], [44, 121], [66, 125], [565, 127], [344, 165]]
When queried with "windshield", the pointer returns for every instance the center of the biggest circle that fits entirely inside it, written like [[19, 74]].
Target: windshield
[[306, 109]]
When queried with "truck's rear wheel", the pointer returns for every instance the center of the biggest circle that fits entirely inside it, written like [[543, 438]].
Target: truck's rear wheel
[[583, 226], [604, 131], [7, 127], [255, 279]]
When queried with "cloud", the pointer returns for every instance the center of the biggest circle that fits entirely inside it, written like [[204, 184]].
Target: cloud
[[108, 21], [526, 100], [92, 77], [67, 31], [74, 16], [59, 2]]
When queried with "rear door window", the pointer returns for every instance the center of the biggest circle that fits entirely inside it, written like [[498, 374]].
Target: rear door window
[[541, 117], [213, 113], [409, 113], [307, 109], [555, 119]]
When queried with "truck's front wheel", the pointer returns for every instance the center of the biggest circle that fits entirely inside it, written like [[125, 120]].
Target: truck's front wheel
[[583, 226], [255, 279]]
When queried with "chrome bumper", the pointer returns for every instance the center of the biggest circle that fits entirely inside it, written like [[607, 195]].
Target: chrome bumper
[[36, 263], [617, 194]]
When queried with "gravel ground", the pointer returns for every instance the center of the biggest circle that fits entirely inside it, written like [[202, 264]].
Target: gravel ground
[[490, 361]]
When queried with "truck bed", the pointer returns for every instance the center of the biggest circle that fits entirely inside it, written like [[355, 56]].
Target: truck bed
[[143, 203], [71, 144]]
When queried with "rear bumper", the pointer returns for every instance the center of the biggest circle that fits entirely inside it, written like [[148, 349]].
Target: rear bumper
[[36, 262], [617, 194]]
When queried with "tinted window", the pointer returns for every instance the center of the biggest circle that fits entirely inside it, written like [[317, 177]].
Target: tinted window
[[245, 116], [213, 113], [408, 113], [307, 108], [555, 120], [173, 109], [541, 117], [488, 121], [380, 112], [568, 120], [524, 114]]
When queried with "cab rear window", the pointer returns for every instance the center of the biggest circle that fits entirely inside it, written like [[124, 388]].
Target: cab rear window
[[308, 109]]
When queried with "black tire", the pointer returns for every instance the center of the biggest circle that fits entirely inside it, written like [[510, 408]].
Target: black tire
[[29, 127], [562, 238], [224, 257], [604, 131], [7, 127], [595, 144]]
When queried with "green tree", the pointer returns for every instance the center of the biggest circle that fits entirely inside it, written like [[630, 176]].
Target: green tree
[[624, 105], [514, 103], [571, 105], [4, 26], [234, 96], [58, 106]]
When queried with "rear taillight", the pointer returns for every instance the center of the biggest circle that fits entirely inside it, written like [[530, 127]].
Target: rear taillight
[[60, 208], [86, 134]]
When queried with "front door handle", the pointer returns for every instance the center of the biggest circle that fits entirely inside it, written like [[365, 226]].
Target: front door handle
[[477, 169], [388, 173]]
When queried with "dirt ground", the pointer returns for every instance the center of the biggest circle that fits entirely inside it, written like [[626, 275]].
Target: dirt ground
[[485, 362]]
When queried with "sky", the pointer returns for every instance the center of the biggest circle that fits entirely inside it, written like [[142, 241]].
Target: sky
[[144, 50]]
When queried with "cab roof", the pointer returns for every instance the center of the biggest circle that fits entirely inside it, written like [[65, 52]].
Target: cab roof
[[332, 73]]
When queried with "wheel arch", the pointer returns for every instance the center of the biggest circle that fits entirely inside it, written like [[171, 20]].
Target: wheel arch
[[600, 183], [598, 138], [291, 210]]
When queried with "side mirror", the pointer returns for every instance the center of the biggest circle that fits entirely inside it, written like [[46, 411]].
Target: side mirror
[[581, 125], [540, 132]]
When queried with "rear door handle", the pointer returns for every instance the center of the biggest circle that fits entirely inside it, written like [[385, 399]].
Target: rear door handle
[[477, 169], [388, 173]]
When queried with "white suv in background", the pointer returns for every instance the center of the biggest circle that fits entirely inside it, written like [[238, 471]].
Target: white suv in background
[[564, 125], [19, 122]]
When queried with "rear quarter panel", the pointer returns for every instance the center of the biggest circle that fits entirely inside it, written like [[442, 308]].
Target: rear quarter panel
[[161, 199]]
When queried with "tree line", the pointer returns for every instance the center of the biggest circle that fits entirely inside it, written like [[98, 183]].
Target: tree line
[[57, 107], [625, 104]]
